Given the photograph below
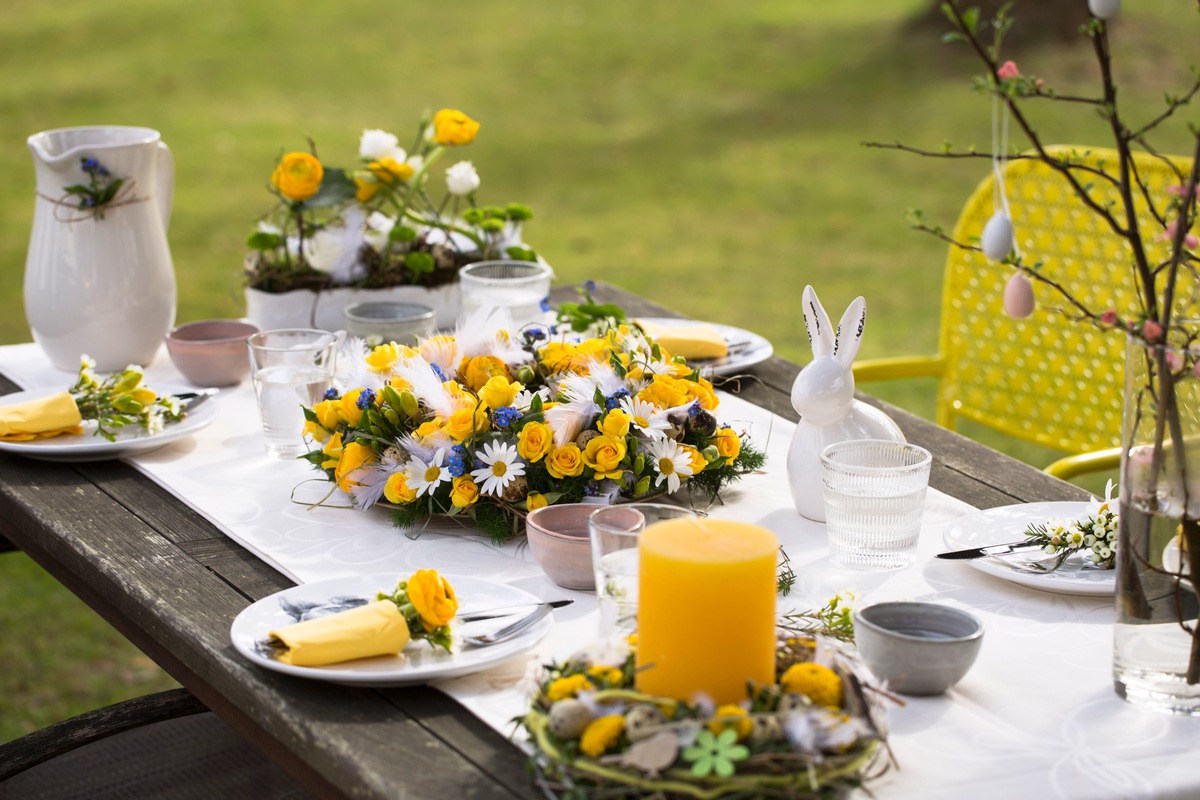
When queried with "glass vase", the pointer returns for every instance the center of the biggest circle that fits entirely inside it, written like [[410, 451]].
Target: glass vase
[[1156, 648]]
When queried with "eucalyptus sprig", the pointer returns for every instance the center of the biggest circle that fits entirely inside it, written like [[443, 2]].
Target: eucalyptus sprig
[[121, 399]]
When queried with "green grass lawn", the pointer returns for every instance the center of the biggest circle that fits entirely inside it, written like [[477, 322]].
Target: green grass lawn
[[706, 154]]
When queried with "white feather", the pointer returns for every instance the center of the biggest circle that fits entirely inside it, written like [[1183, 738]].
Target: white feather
[[427, 386]]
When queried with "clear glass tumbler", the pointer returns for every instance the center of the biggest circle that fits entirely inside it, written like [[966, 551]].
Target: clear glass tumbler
[[291, 368], [614, 531], [519, 286], [874, 493]]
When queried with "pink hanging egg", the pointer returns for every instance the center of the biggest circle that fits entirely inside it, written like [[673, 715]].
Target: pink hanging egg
[[1018, 296]]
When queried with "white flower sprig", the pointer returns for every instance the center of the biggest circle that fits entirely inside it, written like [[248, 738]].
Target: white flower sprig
[[1095, 534]]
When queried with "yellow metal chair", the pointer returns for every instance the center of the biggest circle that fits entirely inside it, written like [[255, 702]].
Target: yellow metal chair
[[1044, 379]]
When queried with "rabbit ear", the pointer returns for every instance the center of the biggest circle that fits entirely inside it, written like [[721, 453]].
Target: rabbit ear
[[850, 331], [820, 333]]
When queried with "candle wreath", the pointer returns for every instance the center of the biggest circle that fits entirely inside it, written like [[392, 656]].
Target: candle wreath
[[486, 424]]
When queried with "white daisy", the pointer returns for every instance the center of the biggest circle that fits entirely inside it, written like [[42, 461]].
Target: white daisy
[[646, 417], [501, 465], [670, 461], [426, 477]]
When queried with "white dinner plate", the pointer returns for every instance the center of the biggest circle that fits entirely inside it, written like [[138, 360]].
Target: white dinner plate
[[1008, 524], [745, 347], [419, 662], [86, 446]]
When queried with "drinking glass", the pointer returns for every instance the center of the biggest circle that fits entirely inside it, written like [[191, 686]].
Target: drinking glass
[[614, 532], [291, 368], [874, 493], [380, 322], [519, 286]]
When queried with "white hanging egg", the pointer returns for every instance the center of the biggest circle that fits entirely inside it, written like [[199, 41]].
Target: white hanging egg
[[1018, 296], [997, 240], [1104, 9]]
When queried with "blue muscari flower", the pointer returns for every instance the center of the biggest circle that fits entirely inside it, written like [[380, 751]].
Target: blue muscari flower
[[503, 417], [87, 202], [330, 394], [438, 371], [614, 399], [458, 461], [545, 304], [592, 489], [589, 285], [365, 399], [90, 164], [694, 409], [534, 333], [101, 171]]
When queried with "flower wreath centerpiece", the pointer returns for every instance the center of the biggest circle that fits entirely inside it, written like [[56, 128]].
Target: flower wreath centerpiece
[[378, 225], [814, 733], [485, 425]]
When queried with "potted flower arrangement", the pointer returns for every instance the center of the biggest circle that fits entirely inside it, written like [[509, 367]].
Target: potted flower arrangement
[[335, 232], [484, 426], [1157, 632]]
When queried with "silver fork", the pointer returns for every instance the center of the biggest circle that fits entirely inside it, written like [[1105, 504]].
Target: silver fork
[[508, 631]]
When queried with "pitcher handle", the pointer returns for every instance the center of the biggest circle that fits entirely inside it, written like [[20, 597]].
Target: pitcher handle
[[166, 182]]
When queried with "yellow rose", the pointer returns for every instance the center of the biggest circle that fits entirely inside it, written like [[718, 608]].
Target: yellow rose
[[464, 492], [479, 370], [535, 500], [565, 461], [534, 441], [453, 127], [561, 356], [464, 422], [699, 462], [354, 456], [702, 390], [385, 356], [328, 413], [603, 454], [397, 490], [348, 407], [729, 444], [615, 424], [298, 176], [498, 392], [427, 429], [333, 451], [731, 716], [433, 598]]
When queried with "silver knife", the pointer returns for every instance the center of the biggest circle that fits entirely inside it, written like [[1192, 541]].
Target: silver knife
[[990, 550], [492, 613]]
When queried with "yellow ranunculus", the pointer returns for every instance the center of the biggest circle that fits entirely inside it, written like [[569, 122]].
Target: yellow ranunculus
[[388, 170], [333, 451], [536, 500], [366, 187], [818, 682], [464, 422], [615, 423], [433, 598], [603, 454], [601, 734], [565, 461], [733, 717], [397, 490], [729, 444], [606, 674], [298, 176], [354, 456], [568, 686], [453, 127], [499, 392], [562, 356], [479, 370], [464, 492], [348, 407], [534, 441]]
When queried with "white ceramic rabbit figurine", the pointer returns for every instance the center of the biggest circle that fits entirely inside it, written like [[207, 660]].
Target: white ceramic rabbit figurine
[[823, 396]]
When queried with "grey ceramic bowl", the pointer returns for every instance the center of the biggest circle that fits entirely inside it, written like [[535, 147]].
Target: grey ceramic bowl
[[211, 352], [558, 537], [917, 648]]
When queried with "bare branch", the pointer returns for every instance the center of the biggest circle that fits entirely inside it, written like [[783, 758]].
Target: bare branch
[[1172, 104]]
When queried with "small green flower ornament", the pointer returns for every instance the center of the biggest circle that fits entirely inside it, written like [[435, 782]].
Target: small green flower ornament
[[715, 754]]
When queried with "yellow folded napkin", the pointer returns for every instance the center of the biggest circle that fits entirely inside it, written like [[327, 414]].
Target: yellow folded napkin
[[376, 629], [40, 419], [688, 339]]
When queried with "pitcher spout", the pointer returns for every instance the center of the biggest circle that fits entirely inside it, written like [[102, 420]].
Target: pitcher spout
[[62, 147]]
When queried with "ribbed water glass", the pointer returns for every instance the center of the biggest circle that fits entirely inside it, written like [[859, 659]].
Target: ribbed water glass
[[874, 494]]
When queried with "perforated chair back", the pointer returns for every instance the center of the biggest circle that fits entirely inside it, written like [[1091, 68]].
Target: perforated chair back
[[1047, 379]]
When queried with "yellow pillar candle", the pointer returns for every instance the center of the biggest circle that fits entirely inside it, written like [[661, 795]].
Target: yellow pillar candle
[[706, 608]]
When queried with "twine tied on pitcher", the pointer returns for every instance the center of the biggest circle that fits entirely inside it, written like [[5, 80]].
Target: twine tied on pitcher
[[96, 210]]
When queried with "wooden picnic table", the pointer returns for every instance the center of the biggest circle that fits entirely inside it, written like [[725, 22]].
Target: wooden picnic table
[[169, 581]]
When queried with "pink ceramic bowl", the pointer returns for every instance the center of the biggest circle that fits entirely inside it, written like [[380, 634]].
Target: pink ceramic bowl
[[558, 536], [211, 352]]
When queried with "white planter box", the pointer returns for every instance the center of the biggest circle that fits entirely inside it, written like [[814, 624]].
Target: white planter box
[[304, 308]]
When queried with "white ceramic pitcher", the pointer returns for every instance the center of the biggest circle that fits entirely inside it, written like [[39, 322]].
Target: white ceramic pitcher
[[101, 286]]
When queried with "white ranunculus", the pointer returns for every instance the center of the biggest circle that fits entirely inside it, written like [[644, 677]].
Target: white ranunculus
[[334, 249], [462, 179], [377, 228], [376, 145]]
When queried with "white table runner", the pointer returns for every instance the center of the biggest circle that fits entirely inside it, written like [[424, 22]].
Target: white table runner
[[1036, 716]]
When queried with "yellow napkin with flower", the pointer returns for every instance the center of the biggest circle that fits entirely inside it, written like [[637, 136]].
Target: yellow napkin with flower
[[374, 629], [40, 419], [688, 339]]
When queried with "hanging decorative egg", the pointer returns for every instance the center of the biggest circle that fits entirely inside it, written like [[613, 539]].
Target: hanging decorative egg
[[1018, 296], [1104, 9], [997, 239]]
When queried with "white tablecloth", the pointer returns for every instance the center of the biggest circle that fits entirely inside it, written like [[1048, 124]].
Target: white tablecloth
[[1035, 717]]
